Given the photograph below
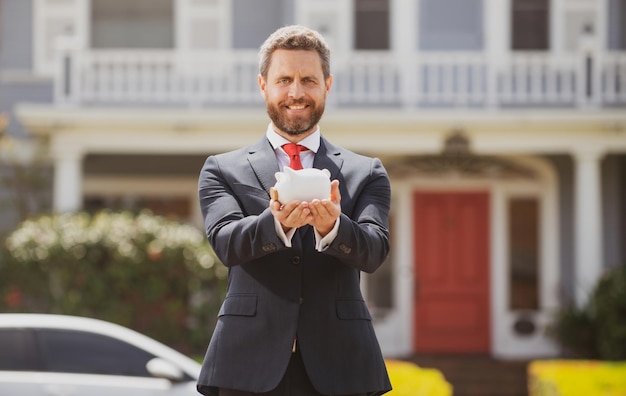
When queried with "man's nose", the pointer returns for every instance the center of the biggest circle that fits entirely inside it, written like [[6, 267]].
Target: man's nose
[[295, 90]]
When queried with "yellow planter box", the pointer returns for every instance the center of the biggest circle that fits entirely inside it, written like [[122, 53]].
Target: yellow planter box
[[576, 378], [408, 379]]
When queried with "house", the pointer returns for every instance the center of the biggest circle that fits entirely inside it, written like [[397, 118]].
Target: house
[[502, 124]]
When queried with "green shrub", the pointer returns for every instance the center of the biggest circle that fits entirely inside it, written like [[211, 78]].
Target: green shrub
[[597, 330], [154, 275], [575, 331], [607, 307]]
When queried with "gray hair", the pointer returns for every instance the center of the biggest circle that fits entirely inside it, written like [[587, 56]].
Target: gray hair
[[294, 37]]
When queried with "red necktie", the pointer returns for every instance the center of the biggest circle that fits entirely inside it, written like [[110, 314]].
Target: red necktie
[[293, 150]]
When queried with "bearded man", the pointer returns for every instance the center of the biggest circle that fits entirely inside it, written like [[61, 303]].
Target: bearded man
[[294, 322]]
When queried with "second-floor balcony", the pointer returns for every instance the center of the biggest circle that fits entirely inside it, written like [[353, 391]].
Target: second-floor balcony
[[471, 80]]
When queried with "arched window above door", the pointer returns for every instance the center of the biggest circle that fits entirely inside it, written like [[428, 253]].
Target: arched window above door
[[458, 164]]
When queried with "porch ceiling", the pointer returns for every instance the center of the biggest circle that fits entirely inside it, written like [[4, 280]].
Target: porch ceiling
[[384, 131]]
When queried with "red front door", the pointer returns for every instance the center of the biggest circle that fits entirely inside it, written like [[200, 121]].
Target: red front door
[[451, 250]]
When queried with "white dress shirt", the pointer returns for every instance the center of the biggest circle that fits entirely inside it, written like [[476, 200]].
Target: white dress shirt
[[312, 143]]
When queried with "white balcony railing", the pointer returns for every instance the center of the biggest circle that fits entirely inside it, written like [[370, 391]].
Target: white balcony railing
[[421, 80]]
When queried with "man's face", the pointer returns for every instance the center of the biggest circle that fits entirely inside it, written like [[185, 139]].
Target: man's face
[[295, 92]]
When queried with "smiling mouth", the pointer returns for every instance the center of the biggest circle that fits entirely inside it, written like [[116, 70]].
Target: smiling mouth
[[296, 105]]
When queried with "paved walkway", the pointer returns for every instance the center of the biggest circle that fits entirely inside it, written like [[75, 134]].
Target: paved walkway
[[479, 375]]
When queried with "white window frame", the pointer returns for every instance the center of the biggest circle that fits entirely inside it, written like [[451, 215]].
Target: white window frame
[[75, 14]]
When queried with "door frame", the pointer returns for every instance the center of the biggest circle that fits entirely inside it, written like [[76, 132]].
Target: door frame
[[396, 330]]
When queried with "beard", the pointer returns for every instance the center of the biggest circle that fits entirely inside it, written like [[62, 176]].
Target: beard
[[294, 126]]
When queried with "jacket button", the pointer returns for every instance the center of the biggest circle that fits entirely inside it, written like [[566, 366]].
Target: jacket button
[[295, 260], [301, 300]]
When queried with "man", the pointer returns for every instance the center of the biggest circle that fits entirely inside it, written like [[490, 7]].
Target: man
[[294, 321]]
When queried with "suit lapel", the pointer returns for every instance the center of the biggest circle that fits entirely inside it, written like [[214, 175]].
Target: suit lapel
[[263, 162], [328, 157]]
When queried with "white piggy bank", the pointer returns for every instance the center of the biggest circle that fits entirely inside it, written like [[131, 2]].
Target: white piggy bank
[[302, 185]]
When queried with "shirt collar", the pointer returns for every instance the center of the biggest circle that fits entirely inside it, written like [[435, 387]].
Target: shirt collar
[[311, 142]]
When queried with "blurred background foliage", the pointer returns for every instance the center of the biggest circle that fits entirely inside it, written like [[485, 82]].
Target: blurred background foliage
[[597, 330], [25, 179], [155, 275]]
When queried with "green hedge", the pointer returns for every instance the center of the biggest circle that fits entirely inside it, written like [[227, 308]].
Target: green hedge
[[146, 272], [576, 378], [597, 330]]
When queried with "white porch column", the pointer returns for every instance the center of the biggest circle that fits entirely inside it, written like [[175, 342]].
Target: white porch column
[[404, 44], [557, 26], [68, 180], [588, 256], [497, 36]]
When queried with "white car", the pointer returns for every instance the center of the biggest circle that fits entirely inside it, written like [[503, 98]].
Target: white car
[[58, 355]]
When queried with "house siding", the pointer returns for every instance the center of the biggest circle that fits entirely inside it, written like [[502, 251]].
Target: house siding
[[617, 30], [22, 90], [254, 20], [17, 82], [16, 35], [451, 25]]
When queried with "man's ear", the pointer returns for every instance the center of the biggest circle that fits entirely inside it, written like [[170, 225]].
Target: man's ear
[[262, 84], [328, 83]]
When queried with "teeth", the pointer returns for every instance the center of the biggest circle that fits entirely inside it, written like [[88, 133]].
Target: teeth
[[296, 107]]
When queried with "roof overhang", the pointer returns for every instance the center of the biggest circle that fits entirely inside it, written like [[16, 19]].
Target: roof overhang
[[383, 131]]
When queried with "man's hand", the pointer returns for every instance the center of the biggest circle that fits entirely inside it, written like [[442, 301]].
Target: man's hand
[[292, 215], [324, 213]]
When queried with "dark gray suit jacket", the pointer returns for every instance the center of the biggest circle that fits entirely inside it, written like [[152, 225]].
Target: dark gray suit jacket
[[276, 292]]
